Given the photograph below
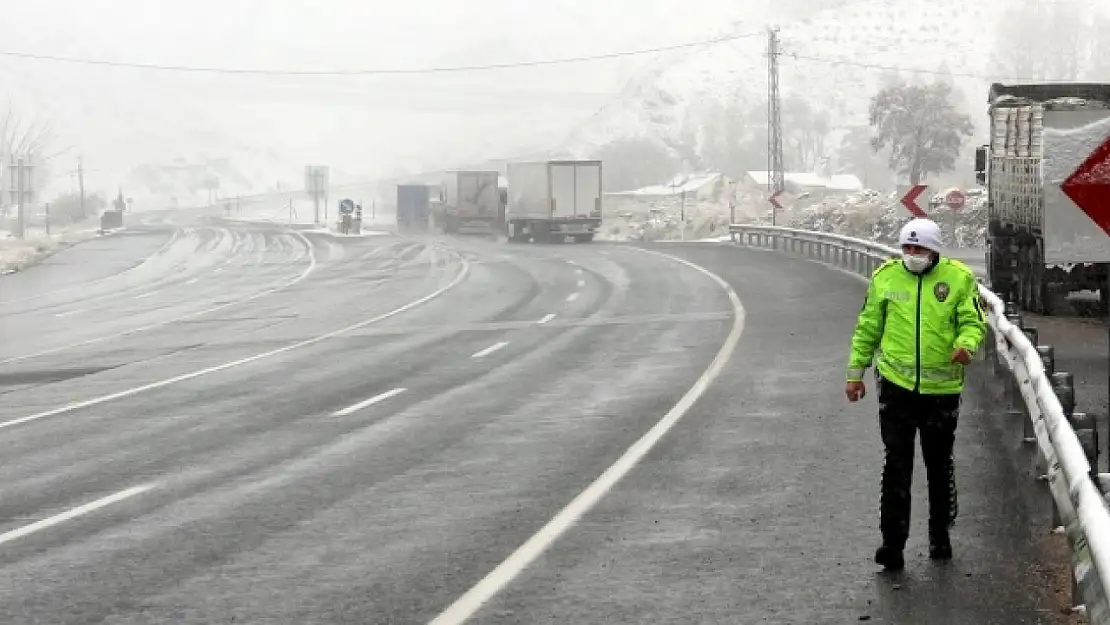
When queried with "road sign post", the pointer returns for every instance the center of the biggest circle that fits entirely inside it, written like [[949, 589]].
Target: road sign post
[[955, 200], [776, 207], [909, 200], [316, 185], [22, 191]]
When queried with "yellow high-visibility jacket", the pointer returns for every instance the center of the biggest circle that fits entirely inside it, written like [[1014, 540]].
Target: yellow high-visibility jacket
[[915, 322]]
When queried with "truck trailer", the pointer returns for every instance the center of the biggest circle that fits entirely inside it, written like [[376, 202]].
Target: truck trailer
[[414, 207], [1012, 167], [553, 200], [471, 202]]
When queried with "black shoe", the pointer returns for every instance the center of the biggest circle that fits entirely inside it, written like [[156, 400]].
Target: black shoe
[[940, 548], [890, 557]]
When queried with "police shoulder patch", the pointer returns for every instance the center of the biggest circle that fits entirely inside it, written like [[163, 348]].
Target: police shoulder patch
[[941, 291]]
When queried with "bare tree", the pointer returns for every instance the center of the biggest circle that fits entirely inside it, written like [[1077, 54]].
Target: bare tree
[[21, 138], [921, 126]]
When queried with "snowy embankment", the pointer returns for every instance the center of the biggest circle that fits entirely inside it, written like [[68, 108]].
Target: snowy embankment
[[865, 215], [16, 254]]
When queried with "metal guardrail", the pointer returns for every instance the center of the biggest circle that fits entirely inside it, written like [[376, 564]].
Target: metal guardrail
[[1066, 441]]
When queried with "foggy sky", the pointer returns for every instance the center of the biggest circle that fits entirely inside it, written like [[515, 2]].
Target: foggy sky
[[363, 125]]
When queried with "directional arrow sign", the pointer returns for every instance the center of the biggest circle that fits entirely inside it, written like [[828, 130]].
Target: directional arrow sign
[[774, 200], [1089, 186], [909, 200], [1076, 166]]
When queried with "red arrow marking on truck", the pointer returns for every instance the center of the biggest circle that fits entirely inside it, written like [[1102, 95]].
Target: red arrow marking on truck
[[1089, 186]]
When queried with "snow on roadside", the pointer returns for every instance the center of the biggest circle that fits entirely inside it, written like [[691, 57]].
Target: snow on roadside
[[17, 254], [866, 215]]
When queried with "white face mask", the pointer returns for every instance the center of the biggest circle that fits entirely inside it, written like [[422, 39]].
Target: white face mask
[[916, 263]]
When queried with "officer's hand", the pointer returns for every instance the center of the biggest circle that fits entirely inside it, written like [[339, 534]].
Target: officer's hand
[[855, 391], [962, 356]]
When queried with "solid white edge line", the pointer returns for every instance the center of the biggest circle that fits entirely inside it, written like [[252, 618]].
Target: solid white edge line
[[368, 402], [74, 513], [235, 363], [572, 297], [546, 318], [71, 312], [489, 350], [497, 579], [148, 294], [200, 313]]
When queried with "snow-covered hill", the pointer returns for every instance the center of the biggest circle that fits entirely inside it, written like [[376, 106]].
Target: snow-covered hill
[[937, 35]]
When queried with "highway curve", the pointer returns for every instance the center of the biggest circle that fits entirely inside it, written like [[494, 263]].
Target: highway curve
[[256, 425]]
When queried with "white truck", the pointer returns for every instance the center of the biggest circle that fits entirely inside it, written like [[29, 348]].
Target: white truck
[[471, 202], [1020, 252], [553, 200]]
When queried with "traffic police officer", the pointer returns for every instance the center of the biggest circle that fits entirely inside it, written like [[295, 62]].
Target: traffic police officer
[[921, 321]]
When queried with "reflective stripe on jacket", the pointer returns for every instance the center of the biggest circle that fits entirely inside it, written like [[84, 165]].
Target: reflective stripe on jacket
[[914, 323]]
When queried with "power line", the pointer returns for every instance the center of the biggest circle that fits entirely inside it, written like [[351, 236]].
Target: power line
[[915, 70], [372, 72]]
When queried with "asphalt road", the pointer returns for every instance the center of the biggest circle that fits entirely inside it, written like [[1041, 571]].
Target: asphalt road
[[264, 426]]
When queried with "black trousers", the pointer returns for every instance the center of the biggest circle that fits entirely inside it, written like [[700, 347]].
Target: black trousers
[[902, 413]]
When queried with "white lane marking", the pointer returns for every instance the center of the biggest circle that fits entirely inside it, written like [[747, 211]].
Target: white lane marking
[[546, 318], [369, 402], [148, 294], [235, 363], [218, 269], [489, 350], [578, 271], [468, 604], [572, 297], [571, 262], [72, 312], [581, 283], [200, 313], [74, 513], [193, 281]]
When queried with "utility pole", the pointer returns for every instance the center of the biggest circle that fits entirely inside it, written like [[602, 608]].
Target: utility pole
[[775, 173], [81, 186]]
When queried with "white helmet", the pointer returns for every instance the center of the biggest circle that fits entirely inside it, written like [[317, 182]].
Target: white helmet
[[921, 232]]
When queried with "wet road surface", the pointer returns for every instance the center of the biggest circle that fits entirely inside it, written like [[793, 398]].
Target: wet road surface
[[257, 425]]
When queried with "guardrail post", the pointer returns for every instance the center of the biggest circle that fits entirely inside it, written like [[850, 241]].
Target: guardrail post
[[1033, 335], [1085, 431], [1063, 387], [1063, 384]]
